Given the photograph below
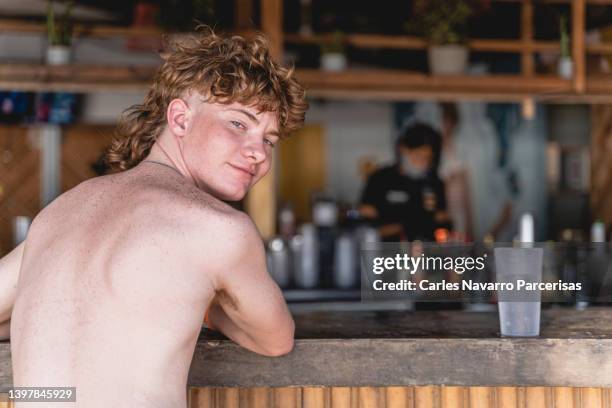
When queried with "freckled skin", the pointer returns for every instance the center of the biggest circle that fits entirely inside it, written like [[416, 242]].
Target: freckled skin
[[118, 272]]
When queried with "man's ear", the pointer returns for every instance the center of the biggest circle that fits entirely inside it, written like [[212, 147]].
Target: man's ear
[[178, 115]]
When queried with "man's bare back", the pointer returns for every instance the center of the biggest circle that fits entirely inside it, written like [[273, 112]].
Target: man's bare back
[[109, 290], [109, 299]]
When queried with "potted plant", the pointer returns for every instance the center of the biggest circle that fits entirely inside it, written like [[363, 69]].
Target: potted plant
[[59, 35], [332, 53], [566, 66], [443, 24]]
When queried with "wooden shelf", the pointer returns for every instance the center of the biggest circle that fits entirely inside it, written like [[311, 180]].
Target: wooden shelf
[[400, 85], [411, 42], [74, 78], [95, 30], [81, 30], [601, 48], [371, 84]]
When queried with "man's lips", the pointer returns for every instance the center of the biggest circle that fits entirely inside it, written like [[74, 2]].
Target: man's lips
[[246, 170]]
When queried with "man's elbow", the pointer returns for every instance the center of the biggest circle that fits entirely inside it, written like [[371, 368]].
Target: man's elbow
[[279, 349], [283, 343]]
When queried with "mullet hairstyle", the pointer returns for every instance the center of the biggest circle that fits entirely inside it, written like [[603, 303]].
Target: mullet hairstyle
[[224, 70]]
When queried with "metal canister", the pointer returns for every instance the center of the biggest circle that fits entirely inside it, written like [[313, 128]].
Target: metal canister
[[21, 225], [305, 250], [345, 262], [279, 261]]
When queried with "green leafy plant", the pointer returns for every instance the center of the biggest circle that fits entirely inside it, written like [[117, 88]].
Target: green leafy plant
[[564, 38], [441, 21], [59, 29], [334, 43]]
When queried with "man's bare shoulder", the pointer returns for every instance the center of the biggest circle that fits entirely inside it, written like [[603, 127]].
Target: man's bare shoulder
[[199, 216]]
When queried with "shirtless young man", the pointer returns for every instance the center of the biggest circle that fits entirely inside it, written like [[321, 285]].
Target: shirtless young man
[[109, 292]]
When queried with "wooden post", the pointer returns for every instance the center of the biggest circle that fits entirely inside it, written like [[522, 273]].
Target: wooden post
[[453, 397], [286, 397], [506, 397], [591, 397], [261, 201], [398, 397], [601, 163], [313, 397], [538, 397], [481, 397], [201, 398], [258, 397], [578, 50], [243, 14], [340, 397], [527, 64], [272, 25], [228, 397], [563, 397], [369, 398], [427, 396]]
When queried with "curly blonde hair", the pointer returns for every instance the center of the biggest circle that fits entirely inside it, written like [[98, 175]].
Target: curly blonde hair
[[224, 70]]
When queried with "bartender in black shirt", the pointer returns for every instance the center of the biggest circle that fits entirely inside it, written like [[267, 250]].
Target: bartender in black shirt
[[406, 200]]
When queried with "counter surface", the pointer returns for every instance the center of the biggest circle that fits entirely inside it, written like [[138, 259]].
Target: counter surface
[[420, 348], [411, 348]]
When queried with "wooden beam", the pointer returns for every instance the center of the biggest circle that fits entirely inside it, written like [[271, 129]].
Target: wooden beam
[[272, 25], [410, 42], [527, 61], [261, 201], [243, 14], [601, 48], [379, 84], [578, 54], [88, 30], [601, 162]]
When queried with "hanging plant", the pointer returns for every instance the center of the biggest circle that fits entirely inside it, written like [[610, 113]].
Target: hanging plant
[[59, 29], [441, 22]]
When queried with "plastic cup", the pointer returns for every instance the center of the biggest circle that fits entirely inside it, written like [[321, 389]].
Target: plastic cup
[[519, 309]]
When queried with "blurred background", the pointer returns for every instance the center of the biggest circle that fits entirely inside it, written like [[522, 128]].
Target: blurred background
[[517, 97]]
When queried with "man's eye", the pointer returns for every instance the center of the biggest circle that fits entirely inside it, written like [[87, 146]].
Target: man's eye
[[269, 142], [237, 124]]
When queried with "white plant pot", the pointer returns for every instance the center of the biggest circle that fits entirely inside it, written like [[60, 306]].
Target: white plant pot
[[59, 55], [565, 67], [447, 59], [333, 62]]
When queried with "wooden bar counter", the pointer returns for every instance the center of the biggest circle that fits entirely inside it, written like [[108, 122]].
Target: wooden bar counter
[[409, 359]]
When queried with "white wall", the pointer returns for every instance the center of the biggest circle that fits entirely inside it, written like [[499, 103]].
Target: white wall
[[353, 130]]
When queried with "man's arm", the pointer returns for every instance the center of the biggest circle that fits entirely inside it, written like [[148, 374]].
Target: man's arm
[[9, 273], [249, 307]]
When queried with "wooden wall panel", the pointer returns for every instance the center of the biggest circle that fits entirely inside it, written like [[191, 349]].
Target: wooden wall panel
[[82, 146], [302, 168], [340, 397], [507, 397], [19, 180], [287, 397], [313, 397], [399, 397], [402, 397], [601, 162], [20, 169], [563, 397]]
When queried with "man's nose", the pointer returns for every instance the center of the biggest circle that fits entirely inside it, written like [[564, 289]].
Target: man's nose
[[254, 150]]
